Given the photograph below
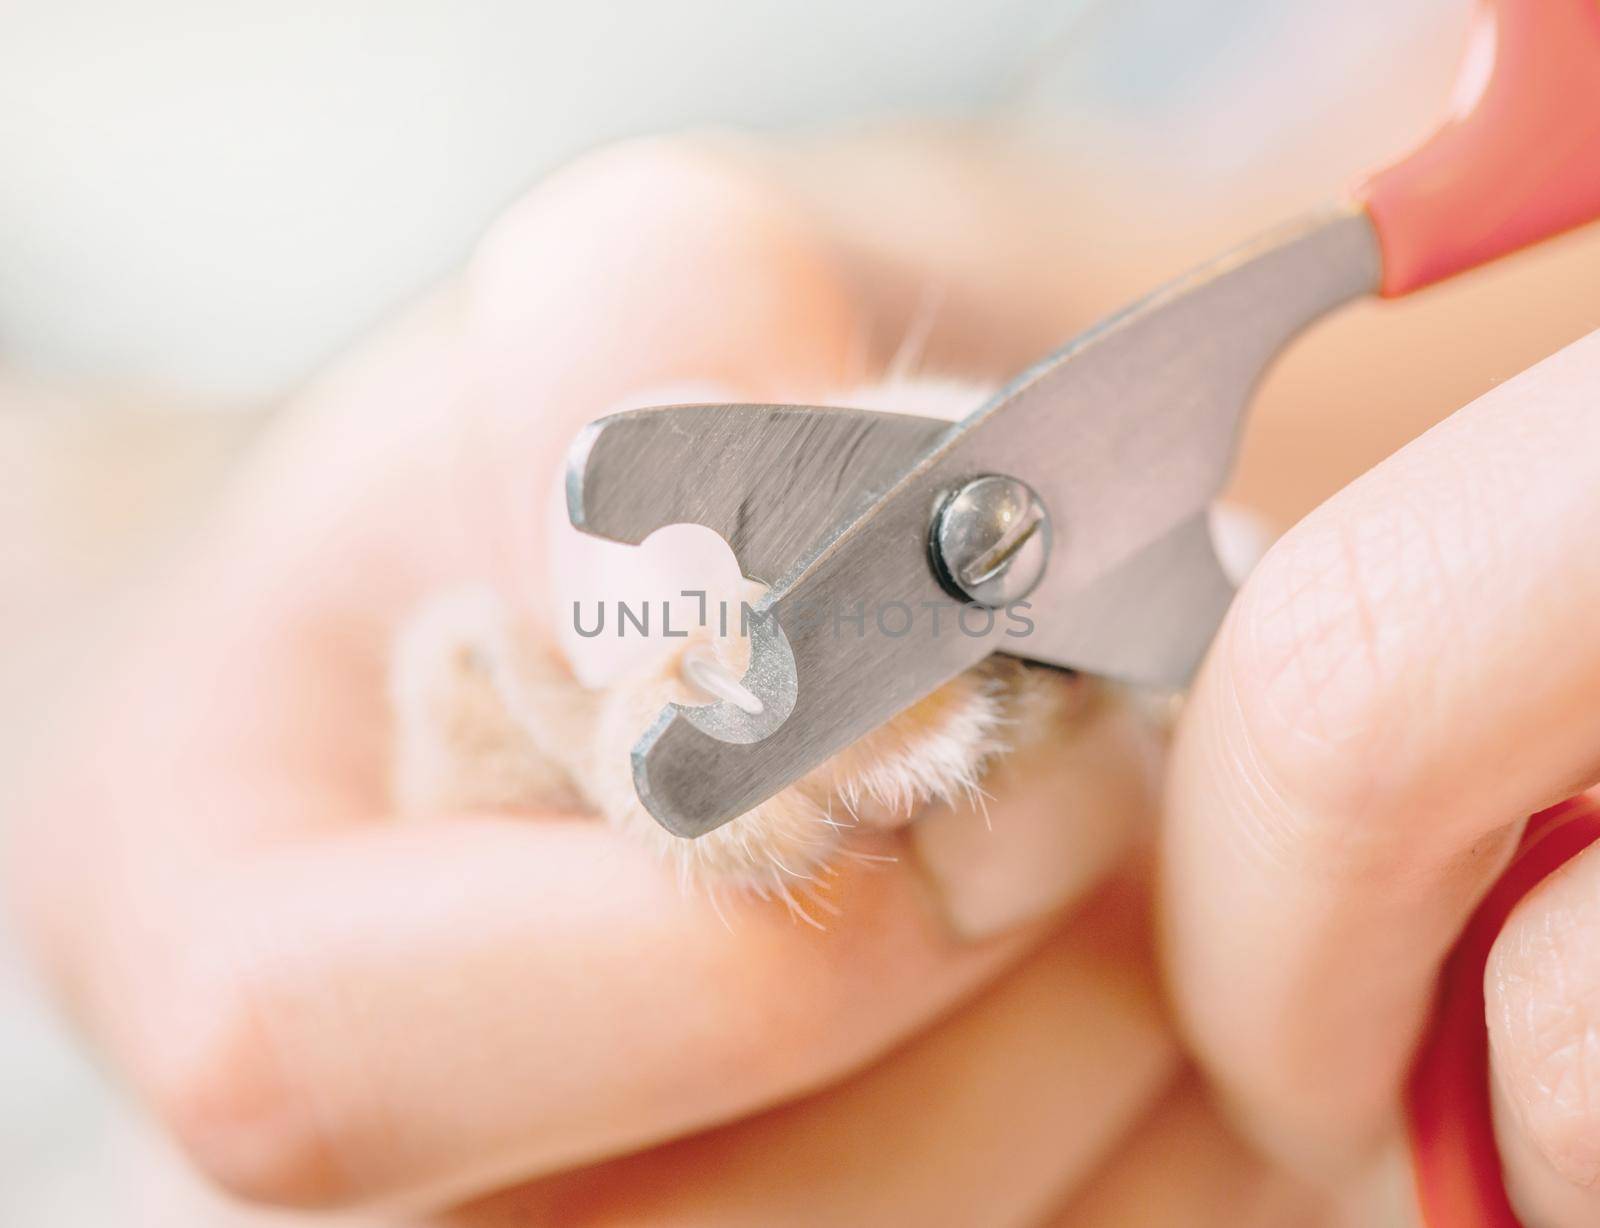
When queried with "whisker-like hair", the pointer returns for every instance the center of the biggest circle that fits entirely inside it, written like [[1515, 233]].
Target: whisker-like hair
[[714, 898], [778, 861], [796, 910], [913, 345], [813, 893], [870, 858]]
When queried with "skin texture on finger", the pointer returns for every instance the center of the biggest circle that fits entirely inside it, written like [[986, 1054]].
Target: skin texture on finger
[[984, 1120], [1542, 1000], [1406, 676], [1540, 1194], [1185, 1165]]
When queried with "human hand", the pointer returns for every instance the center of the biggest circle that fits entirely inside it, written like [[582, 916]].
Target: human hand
[[1407, 675], [488, 1019]]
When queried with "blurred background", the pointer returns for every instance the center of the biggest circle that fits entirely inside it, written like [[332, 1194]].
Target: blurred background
[[201, 203]]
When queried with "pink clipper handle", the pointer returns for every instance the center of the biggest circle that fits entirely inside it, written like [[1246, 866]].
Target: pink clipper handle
[[1517, 162]]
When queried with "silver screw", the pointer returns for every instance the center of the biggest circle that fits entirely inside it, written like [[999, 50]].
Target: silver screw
[[991, 540]]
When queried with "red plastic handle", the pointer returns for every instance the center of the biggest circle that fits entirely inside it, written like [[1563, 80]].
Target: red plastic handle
[[1517, 162]]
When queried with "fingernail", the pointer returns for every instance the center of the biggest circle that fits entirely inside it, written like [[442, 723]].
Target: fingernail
[[1061, 811]]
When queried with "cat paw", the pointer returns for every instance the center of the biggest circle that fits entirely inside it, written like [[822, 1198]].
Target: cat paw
[[469, 693]]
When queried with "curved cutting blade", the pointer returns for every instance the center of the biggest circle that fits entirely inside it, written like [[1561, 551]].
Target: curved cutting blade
[[774, 480]]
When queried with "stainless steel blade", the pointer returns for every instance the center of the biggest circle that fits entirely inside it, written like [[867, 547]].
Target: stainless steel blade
[[774, 480], [1127, 434]]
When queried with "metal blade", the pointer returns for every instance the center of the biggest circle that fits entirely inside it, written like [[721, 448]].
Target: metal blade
[[1149, 620], [773, 480]]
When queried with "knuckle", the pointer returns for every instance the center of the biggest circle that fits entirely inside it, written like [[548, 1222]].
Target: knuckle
[[615, 205], [1542, 989], [687, 245], [223, 1091]]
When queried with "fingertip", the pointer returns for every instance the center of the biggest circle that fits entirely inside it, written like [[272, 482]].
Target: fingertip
[[1542, 995]]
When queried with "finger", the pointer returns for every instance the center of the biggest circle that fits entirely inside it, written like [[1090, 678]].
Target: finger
[[1408, 674], [450, 1005], [1184, 1165], [985, 1119], [439, 1009], [1542, 999]]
